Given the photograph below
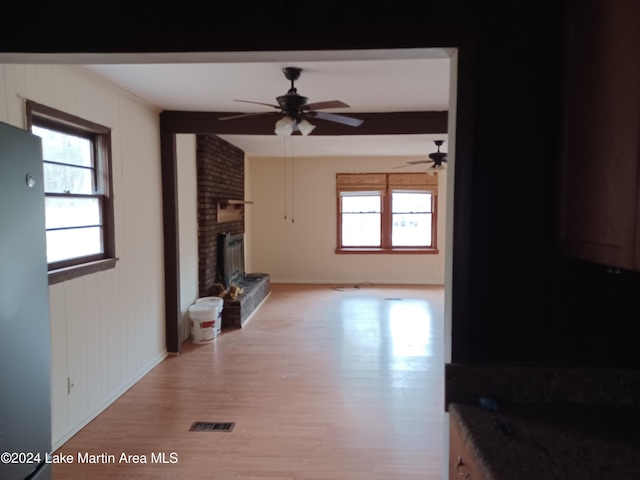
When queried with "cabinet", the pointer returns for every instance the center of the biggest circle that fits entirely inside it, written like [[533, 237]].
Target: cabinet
[[600, 218], [462, 463]]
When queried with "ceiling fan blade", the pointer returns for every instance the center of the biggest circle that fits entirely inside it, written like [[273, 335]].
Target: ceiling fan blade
[[416, 162], [257, 103], [242, 115], [332, 117], [327, 104]]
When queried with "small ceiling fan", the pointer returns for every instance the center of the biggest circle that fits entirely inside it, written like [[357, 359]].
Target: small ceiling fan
[[297, 111], [437, 160]]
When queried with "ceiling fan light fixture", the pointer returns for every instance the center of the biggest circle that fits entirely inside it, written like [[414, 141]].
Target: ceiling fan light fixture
[[294, 106], [435, 168], [305, 127], [284, 126]]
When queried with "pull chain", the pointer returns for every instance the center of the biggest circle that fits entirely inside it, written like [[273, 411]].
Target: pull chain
[[284, 172], [293, 184]]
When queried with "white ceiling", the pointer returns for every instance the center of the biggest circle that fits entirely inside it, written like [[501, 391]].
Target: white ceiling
[[367, 80]]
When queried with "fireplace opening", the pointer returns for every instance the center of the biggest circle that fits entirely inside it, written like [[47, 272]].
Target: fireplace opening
[[231, 259]]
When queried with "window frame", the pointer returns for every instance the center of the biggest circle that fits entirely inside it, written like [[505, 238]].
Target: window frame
[[100, 137], [385, 188], [379, 213]]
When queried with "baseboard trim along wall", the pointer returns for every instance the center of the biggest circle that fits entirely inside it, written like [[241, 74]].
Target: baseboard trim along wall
[[58, 442]]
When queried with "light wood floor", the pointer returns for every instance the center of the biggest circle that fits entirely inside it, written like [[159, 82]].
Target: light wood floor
[[322, 384]]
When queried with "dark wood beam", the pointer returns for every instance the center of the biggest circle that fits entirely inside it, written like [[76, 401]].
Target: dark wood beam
[[169, 169], [173, 122], [392, 123]]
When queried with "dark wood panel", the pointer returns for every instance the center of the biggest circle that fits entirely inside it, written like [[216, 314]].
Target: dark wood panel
[[388, 123], [601, 165], [462, 462], [169, 169]]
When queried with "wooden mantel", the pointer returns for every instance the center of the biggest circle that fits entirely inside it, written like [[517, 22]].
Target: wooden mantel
[[229, 210]]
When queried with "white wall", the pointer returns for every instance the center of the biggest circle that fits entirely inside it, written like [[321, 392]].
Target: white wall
[[107, 328], [448, 281], [187, 227], [301, 248]]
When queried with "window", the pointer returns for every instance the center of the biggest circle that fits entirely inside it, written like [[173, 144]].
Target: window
[[386, 212], [78, 192], [412, 219], [361, 219]]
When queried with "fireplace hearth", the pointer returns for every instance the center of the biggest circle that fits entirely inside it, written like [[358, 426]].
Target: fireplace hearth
[[231, 271]]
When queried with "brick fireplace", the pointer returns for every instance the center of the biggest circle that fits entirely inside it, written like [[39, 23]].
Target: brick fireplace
[[220, 177]]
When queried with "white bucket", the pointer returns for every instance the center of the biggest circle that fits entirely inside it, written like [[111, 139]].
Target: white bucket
[[218, 304], [203, 319]]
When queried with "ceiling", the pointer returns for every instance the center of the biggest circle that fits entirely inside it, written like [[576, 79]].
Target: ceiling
[[403, 80]]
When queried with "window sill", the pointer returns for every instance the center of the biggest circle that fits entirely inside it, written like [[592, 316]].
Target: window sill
[[387, 251], [63, 274]]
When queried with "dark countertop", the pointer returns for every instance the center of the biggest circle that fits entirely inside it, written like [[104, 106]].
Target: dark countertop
[[547, 384], [547, 441]]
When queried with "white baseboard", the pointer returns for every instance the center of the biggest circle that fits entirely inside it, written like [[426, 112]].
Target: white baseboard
[[59, 442]]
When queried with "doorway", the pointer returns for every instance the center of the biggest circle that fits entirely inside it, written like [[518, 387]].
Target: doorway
[[173, 284]]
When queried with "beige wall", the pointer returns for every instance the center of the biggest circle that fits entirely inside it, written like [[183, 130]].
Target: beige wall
[[300, 248], [187, 227], [107, 328]]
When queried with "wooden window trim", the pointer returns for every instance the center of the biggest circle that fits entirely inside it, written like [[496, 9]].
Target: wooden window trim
[[387, 251], [48, 117], [393, 182], [63, 274]]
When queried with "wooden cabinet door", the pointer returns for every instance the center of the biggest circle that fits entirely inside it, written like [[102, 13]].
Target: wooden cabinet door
[[462, 464], [600, 184]]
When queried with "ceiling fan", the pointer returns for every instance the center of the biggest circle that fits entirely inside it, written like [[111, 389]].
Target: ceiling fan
[[437, 160], [297, 111]]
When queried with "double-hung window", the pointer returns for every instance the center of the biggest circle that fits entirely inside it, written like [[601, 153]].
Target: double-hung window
[[361, 219], [386, 212], [78, 192]]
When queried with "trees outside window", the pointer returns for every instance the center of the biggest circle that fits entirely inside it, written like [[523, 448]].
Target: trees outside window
[[78, 192]]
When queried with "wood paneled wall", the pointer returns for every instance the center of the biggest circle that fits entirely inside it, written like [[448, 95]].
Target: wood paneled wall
[[108, 327]]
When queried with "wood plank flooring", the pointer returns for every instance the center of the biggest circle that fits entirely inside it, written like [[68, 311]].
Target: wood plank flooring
[[322, 383]]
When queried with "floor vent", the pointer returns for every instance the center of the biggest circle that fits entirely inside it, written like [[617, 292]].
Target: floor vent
[[211, 427], [393, 299]]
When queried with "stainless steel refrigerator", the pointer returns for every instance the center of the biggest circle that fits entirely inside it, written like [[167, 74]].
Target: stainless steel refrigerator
[[25, 339]]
